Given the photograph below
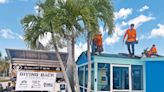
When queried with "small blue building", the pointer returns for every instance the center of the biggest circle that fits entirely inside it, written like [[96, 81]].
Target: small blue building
[[119, 73]]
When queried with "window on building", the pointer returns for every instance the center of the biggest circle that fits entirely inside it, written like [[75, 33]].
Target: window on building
[[81, 89], [92, 77], [103, 77], [120, 78], [81, 75], [86, 75], [137, 77]]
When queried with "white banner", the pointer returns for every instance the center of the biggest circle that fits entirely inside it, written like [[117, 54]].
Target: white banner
[[35, 81]]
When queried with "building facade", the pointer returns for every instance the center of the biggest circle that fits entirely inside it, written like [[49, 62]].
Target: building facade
[[117, 73], [37, 61]]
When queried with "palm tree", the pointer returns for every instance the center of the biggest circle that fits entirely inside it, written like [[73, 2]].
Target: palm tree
[[4, 67], [90, 12], [65, 19], [37, 27], [54, 19], [69, 14], [94, 12]]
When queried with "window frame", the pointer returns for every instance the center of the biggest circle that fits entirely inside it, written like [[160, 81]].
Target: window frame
[[142, 76], [108, 77], [111, 79]]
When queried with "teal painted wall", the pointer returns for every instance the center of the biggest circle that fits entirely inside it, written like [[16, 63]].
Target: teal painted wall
[[121, 61]]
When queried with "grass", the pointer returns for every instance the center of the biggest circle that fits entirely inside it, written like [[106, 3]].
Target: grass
[[4, 80]]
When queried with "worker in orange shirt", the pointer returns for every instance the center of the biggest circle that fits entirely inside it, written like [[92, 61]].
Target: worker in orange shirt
[[152, 51], [97, 44], [131, 39], [98, 38]]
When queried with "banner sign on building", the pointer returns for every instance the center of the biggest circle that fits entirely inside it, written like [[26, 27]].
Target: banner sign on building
[[22, 67], [35, 81]]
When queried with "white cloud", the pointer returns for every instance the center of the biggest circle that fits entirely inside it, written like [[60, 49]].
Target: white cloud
[[143, 36], [46, 39], [158, 32], [119, 28], [8, 34], [112, 40], [123, 13], [6, 1], [144, 8], [38, 11], [124, 23], [79, 48], [3, 1], [36, 8], [19, 36], [140, 20], [118, 32]]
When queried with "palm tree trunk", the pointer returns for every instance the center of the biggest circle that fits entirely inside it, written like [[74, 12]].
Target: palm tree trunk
[[76, 79], [89, 63], [63, 68], [60, 60], [70, 70]]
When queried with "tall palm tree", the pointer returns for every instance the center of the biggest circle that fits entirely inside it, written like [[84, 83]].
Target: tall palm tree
[[65, 19], [55, 18], [37, 27], [94, 12], [90, 12], [69, 14]]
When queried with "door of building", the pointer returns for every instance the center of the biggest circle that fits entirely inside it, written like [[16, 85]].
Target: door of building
[[120, 78]]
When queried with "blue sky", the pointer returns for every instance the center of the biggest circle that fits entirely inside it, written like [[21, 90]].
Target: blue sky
[[147, 15]]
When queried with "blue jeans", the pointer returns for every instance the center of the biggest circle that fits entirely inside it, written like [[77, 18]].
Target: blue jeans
[[130, 45]]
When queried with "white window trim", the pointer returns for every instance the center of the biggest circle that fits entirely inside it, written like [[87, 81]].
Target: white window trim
[[111, 78]]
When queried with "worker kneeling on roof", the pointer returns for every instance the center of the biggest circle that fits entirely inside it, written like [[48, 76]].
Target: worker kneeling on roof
[[131, 40], [97, 45], [152, 51]]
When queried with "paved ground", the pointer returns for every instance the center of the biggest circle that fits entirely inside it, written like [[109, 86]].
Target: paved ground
[[4, 84]]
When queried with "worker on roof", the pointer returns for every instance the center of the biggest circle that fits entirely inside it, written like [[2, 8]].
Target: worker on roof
[[152, 51], [98, 39], [97, 44], [131, 39]]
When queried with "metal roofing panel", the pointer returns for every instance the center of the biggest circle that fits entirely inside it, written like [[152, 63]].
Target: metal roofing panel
[[34, 54]]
